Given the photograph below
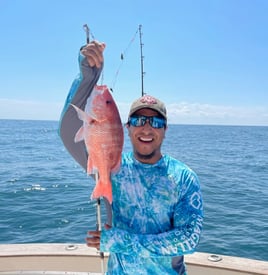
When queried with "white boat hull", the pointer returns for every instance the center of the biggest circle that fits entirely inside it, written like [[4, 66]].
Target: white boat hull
[[78, 259]]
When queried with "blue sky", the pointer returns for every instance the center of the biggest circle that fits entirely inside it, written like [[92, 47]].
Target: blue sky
[[207, 60]]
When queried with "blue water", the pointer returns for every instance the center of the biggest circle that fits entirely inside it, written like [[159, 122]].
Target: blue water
[[44, 194]]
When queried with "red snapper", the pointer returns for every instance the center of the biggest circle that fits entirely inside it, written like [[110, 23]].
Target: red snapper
[[102, 132]]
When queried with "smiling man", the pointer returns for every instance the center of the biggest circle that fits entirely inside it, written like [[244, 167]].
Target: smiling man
[[149, 113], [157, 205], [157, 210]]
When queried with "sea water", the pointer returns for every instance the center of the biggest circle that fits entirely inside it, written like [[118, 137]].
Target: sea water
[[45, 194]]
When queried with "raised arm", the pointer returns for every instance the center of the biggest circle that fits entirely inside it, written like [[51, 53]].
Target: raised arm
[[90, 65]]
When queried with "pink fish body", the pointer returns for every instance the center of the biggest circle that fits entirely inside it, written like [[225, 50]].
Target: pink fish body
[[102, 132]]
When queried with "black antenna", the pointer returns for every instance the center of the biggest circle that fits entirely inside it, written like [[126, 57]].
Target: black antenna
[[142, 72]]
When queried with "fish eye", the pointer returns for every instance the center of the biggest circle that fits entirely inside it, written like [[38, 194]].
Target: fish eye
[[108, 101]]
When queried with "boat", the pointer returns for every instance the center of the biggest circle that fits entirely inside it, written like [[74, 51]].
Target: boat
[[78, 259]]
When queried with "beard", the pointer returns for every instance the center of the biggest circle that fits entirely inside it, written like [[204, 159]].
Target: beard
[[145, 158]]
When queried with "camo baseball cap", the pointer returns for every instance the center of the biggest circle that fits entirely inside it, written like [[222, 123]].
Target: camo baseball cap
[[150, 102]]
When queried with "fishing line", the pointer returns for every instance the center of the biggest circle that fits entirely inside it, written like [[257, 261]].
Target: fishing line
[[122, 57], [89, 35]]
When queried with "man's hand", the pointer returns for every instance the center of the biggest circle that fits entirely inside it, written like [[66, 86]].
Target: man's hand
[[93, 238], [94, 53]]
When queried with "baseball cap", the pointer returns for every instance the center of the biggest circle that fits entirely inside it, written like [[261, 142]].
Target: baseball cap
[[150, 102]]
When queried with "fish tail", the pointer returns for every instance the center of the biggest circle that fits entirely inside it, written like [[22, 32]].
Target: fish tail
[[102, 190]]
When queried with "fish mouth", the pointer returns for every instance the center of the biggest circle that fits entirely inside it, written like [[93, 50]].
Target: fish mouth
[[146, 139]]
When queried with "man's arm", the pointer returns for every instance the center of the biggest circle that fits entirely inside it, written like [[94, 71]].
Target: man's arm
[[181, 239], [90, 64]]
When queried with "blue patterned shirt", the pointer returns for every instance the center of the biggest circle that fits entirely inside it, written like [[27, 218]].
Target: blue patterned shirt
[[157, 215]]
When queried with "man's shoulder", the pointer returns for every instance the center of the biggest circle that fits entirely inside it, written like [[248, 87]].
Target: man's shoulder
[[176, 165], [173, 161]]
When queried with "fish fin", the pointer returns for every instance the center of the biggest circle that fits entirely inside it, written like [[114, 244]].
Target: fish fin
[[91, 169], [103, 190], [79, 136], [81, 114], [86, 117], [116, 167]]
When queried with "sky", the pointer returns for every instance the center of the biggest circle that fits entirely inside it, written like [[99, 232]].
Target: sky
[[207, 60]]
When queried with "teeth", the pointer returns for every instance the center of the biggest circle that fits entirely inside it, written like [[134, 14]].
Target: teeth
[[145, 139]]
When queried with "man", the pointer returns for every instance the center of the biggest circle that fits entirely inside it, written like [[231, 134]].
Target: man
[[157, 210]]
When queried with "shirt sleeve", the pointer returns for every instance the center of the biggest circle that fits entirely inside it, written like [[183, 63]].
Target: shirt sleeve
[[80, 90], [181, 239]]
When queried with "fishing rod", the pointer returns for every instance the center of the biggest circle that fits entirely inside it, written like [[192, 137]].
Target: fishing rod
[[86, 29], [98, 206], [122, 57], [142, 57], [98, 224]]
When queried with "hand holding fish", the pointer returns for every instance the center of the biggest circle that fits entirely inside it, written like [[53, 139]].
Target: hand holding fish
[[94, 53]]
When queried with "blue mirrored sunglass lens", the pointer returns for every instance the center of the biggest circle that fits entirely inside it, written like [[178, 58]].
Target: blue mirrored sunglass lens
[[155, 122], [135, 121]]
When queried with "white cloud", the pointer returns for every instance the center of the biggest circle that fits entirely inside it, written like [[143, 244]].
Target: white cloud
[[23, 109], [178, 113], [196, 113]]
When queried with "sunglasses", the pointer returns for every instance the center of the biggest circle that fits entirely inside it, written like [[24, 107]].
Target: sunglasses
[[155, 121]]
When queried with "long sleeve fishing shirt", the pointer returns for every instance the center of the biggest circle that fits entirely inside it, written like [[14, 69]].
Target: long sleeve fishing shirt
[[157, 217], [156, 209]]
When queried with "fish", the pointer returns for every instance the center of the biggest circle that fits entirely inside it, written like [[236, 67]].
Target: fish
[[102, 132]]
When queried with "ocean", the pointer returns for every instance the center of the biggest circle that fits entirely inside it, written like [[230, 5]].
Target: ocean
[[45, 194]]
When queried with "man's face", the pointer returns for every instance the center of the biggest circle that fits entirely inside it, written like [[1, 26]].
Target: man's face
[[146, 140]]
